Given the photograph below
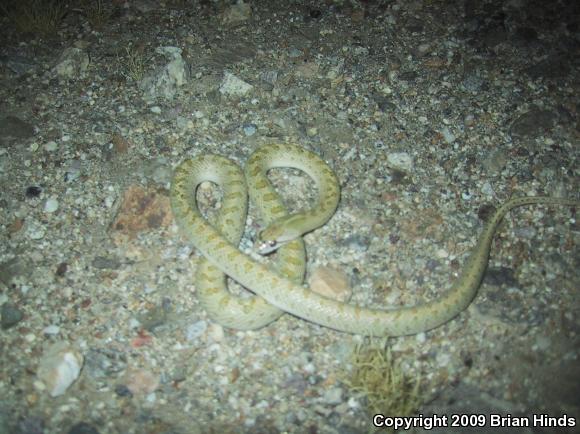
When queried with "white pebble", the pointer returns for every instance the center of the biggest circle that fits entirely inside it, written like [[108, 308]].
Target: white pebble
[[196, 330], [333, 396], [59, 367], [51, 146], [400, 160], [109, 201], [51, 205], [51, 330], [35, 231], [233, 86], [448, 136]]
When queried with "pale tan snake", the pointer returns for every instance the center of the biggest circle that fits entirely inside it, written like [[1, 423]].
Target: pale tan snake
[[282, 291]]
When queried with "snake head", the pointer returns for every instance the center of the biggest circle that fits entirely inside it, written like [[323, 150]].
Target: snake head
[[275, 235], [266, 247], [270, 239]]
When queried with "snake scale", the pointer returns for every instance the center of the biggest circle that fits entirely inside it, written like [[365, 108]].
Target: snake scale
[[281, 290]]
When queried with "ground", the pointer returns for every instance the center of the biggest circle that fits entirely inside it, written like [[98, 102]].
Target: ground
[[430, 113]]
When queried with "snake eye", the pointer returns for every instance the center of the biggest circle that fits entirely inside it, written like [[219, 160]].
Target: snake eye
[[268, 246]]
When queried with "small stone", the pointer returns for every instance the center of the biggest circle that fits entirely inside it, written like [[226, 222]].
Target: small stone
[[233, 86], [295, 52], [142, 381], [250, 129], [196, 330], [10, 315], [495, 161], [443, 359], [155, 109], [236, 14], [33, 191], [51, 330], [312, 131], [448, 136], [400, 160], [51, 146], [73, 171], [105, 263], [423, 49], [153, 318], [216, 332], [469, 120], [331, 283], [59, 367], [333, 396], [51, 205], [122, 390], [35, 231]]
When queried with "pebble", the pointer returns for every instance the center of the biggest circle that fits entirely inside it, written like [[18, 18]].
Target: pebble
[[74, 171], [33, 191], [487, 189], [122, 390], [495, 161], [10, 315], [448, 136], [51, 146], [294, 52], [400, 160], [142, 382], [216, 333], [105, 263], [59, 367], [250, 129], [51, 205], [233, 86], [51, 330], [443, 359], [35, 231], [312, 131], [333, 396], [236, 14], [331, 283], [196, 330]]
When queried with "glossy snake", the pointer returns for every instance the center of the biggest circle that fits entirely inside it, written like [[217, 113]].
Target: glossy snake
[[280, 290]]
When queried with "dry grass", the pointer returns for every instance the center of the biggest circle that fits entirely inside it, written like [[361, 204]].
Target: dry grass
[[134, 64], [95, 12], [35, 16], [381, 381]]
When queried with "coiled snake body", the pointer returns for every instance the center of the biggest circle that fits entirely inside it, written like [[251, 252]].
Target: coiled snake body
[[280, 290]]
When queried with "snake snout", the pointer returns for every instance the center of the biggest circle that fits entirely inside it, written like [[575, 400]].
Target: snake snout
[[266, 247]]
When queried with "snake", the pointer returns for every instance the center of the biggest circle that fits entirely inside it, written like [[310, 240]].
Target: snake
[[279, 288]]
